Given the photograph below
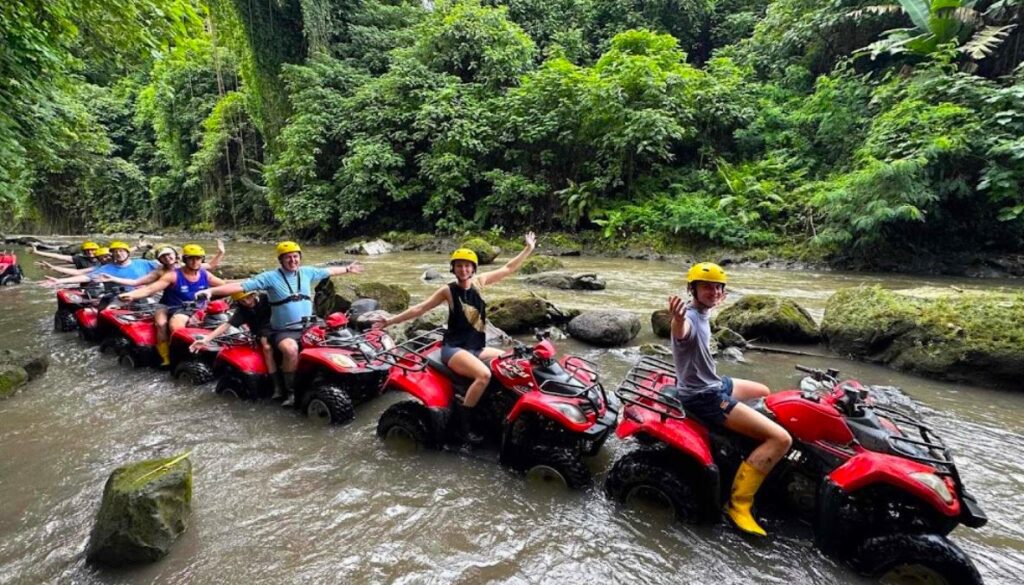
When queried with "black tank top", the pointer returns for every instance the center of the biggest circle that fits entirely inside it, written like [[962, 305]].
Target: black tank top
[[467, 318]]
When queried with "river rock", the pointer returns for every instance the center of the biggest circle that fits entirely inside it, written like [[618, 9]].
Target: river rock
[[431, 274], [35, 364], [536, 264], [374, 248], [12, 377], [969, 336], [485, 252], [661, 323], [605, 328], [769, 318], [333, 297], [559, 245], [656, 349], [145, 507], [520, 314], [566, 281], [236, 271], [728, 338], [733, 354], [393, 298], [432, 320]]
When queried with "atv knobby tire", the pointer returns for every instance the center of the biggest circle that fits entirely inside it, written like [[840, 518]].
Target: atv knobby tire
[[119, 344], [194, 372], [331, 405], [921, 558], [64, 321], [654, 474], [407, 420], [232, 386], [565, 464]]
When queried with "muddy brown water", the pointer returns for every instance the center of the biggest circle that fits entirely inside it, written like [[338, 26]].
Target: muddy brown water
[[278, 500]]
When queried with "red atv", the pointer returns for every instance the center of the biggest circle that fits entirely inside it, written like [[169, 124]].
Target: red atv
[[71, 299], [126, 329], [337, 368], [879, 488], [197, 368], [545, 414], [10, 272]]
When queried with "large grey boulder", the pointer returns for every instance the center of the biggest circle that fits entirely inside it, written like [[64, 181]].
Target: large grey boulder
[[393, 298], [334, 297], [661, 323], [145, 508], [567, 281], [605, 328], [374, 248]]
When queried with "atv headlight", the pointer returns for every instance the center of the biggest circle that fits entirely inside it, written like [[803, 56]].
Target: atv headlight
[[343, 361], [934, 483], [571, 412]]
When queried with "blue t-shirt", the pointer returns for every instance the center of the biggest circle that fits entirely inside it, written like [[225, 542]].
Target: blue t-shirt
[[137, 268], [280, 286]]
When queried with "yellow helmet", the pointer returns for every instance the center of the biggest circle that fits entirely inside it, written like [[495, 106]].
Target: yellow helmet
[[288, 248], [464, 254], [706, 272], [103, 251], [119, 245], [192, 250], [90, 246], [241, 295]]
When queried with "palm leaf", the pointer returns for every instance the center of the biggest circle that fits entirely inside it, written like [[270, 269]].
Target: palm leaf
[[986, 40], [880, 9], [918, 11]]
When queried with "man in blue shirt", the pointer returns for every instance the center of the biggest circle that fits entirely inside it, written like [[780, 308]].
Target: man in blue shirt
[[289, 289], [122, 266]]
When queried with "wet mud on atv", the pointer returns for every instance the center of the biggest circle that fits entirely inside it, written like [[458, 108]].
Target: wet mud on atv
[[877, 487], [543, 415]]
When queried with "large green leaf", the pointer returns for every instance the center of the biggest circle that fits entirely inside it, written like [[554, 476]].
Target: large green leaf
[[918, 11]]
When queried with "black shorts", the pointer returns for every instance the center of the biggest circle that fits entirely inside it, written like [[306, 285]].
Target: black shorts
[[448, 351], [710, 406], [276, 335]]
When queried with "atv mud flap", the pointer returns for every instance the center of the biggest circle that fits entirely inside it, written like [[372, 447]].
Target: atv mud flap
[[971, 513], [595, 436]]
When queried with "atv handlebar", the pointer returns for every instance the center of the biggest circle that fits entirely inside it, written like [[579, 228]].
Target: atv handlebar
[[829, 375]]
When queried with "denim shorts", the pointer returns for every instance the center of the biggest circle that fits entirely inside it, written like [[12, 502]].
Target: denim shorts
[[710, 406], [447, 351]]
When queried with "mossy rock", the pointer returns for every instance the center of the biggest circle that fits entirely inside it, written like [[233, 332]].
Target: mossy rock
[[560, 244], [726, 337], [393, 298], [145, 507], [334, 297], [35, 364], [236, 271], [485, 252], [769, 318], [976, 338], [656, 349], [661, 323], [12, 377], [536, 264], [519, 315]]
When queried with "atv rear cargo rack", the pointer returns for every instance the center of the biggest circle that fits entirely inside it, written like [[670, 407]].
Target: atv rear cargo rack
[[638, 388], [408, 355]]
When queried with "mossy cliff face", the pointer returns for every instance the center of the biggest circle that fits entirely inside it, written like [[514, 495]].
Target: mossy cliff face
[[146, 506], [969, 337]]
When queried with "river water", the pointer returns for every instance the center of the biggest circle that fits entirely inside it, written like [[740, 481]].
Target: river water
[[278, 500]]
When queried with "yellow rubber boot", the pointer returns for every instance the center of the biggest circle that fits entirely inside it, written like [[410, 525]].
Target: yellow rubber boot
[[744, 486], [164, 349]]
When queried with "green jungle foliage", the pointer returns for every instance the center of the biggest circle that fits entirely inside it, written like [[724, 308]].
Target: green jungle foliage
[[834, 127]]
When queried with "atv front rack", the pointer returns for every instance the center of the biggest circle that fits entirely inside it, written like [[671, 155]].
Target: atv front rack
[[409, 355], [942, 457], [639, 388], [573, 365]]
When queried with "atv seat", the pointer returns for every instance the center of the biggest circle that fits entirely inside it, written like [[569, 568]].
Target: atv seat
[[459, 383]]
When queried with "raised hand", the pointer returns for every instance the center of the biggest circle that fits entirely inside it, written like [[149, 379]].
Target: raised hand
[[220, 245], [531, 240], [677, 306]]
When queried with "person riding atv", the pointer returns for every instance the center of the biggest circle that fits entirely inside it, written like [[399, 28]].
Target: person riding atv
[[122, 266], [717, 399], [290, 290], [88, 257], [252, 309]]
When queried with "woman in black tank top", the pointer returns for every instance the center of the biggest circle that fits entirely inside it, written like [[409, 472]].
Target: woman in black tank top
[[464, 349]]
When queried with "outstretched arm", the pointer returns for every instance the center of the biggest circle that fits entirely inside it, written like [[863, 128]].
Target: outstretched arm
[[51, 282], [140, 281], [439, 296], [512, 265], [199, 344], [354, 268], [680, 326], [220, 291], [165, 281], [53, 255], [65, 270]]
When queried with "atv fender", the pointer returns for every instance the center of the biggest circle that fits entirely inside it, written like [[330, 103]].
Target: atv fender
[[687, 436], [87, 317], [543, 405], [245, 359], [869, 468], [323, 358], [432, 389]]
